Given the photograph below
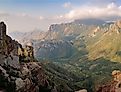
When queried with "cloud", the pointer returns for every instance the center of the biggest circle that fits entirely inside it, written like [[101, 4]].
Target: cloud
[[67, 5], [25, 22], [102, 12]]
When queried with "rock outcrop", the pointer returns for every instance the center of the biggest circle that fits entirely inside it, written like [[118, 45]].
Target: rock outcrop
[[114, 85], [8, 49], [18, 71], [118, 23], [29, 78], [26, 54], [116, 27]]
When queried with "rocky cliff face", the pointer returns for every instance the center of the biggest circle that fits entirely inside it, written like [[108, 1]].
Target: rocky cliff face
[[53, 49], [29, 78], [8, 49], [18, 71]]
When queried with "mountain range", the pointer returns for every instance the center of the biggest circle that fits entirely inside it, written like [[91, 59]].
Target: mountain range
[[78, 55]]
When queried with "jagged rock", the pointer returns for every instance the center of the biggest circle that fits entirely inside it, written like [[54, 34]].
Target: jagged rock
[[26, 54], [2, 38], [118, 23], [118, 87], [35, 80], [116, 75], [8, 49], [27, 84], [114, 28], [25, 72], [13, 62], [19, 84], [2, 59], [3, 72], [16, 75]]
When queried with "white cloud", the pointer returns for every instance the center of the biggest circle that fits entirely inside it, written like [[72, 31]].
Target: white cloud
[[93, 12], [67, 5], [26, 22]]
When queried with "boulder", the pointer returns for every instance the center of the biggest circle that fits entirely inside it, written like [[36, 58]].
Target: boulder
[[19, 84], [116, 75], [25, 72]]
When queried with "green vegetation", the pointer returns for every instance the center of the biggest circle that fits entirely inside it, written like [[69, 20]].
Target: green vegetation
[[108, 46], [81, 74], [92, 62]]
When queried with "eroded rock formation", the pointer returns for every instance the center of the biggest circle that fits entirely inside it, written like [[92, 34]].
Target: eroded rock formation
[[8, 49], [18, 71]]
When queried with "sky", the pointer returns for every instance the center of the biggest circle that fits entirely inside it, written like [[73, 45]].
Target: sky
[[28, 15]]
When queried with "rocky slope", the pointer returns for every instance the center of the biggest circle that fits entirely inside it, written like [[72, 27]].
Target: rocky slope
[[108, 44], [19, 71], [79, 55], [53, 49], [29, 78], [61, 31]]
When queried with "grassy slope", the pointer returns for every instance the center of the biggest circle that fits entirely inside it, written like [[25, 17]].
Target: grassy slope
[[108, 46]]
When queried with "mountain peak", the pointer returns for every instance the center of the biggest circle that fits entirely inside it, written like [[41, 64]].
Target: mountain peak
[[116, 27], [118, 23]]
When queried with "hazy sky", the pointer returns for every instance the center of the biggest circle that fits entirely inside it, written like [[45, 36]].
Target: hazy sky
[[27, 15]]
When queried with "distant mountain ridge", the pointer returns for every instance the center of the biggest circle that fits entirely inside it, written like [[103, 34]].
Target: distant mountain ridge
[[108, 44], [53, 49], [79, 55], [61, 29], [67, 32]]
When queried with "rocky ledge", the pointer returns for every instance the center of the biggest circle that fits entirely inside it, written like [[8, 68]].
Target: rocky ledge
[[19, 71], [29, 78]]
